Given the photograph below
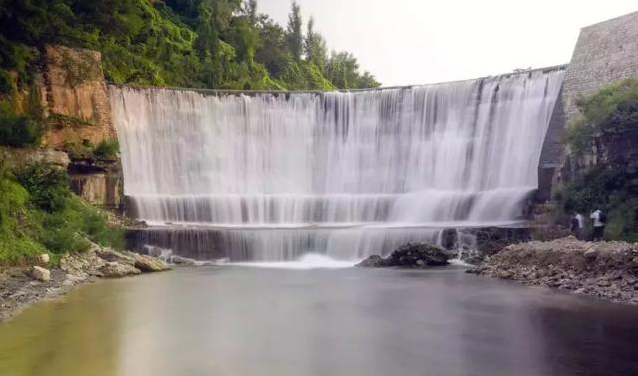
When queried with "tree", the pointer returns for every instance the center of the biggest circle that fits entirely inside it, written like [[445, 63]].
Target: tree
[[315, 47], [343, 71], [272, 50], [250, 9], [294, 36]]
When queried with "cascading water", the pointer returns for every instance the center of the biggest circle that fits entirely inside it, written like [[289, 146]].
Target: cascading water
[[272, 176]]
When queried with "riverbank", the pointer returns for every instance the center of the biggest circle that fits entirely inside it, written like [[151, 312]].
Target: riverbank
[[23, 286], [607, 270]]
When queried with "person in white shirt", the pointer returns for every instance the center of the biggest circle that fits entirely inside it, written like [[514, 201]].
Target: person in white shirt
[[577, 224], [599, 224]]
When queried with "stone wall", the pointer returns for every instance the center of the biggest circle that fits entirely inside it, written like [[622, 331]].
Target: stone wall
[[605, 52]]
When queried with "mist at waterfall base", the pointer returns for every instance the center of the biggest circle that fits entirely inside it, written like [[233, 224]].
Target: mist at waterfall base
[[276, 176]]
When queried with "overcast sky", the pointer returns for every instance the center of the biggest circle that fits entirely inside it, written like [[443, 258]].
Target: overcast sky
[[406, 42]]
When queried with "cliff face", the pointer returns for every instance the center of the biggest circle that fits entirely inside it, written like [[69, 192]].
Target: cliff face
[[75, 97], [72, 94], [613, 146]]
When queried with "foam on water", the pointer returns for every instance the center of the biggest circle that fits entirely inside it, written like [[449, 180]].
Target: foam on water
[[305, 262]]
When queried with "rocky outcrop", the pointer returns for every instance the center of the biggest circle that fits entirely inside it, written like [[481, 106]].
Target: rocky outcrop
[[148, 263], [15, 157], [117, 270], [605, 269], [419, 255], [76, 97], [182, 261], [101, 188], [110, 255]]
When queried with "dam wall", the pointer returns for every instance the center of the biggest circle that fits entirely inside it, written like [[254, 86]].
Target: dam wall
[[605, 52]]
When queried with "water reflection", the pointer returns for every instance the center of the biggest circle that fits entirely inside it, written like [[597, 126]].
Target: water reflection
[[246, 321], [76, 337]]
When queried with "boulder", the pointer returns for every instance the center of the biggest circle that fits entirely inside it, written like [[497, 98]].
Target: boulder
[[111, 255], [113, 269], [374, 261], [44, 258], [148, 263], [41, 274], [419, 255], [178, 260]]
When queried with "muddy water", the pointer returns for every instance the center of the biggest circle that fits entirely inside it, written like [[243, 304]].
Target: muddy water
[[243, 321]]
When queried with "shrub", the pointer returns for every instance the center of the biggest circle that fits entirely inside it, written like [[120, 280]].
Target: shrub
[[106, 149], [77, 150], [47, 185], [12, 196], [594, 110], [19, 131]]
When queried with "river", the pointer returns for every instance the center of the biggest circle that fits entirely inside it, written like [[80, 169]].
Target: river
[[244, 321]]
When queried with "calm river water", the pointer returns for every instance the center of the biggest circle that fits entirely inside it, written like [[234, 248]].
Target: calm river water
[[245, 321]]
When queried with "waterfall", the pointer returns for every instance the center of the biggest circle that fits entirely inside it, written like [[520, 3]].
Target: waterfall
[[271, 176]]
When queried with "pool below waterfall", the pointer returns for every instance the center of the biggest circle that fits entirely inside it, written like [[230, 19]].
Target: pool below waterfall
[[248, 320]]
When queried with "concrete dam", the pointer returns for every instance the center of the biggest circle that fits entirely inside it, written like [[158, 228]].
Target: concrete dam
[[274, 176]]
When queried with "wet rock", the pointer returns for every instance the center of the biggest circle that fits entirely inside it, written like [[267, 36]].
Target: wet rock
[[183, 261], [374, 261], [41, 274], [111, 255], [116, 270], [148, 263], [418, 255]]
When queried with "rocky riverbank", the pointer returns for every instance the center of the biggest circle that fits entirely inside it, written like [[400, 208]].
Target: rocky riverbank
[[607, 270], [20, 287]]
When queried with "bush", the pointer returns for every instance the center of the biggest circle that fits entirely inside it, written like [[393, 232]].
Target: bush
[[39, 214], [19, 131], [13, 196], [47, 185], [594, 110], [106, 149], [78, 151]]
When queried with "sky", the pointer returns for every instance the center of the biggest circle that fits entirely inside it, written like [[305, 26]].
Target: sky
[[405, 42]]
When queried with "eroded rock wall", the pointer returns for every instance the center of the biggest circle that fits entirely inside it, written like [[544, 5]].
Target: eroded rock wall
[[75, 97]]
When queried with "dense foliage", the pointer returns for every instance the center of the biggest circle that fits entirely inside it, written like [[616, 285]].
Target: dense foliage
[[18, 130], [603, 140], [595, 110], [191, 43], [38, 214]]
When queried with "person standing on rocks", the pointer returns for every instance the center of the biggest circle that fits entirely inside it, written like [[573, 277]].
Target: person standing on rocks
[[576, 225], [599, 224]]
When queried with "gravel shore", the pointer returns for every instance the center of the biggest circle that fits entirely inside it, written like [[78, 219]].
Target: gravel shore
[[607, 270]]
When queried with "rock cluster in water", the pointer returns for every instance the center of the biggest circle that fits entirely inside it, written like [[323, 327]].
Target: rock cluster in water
[[418, 255], [606, 270]]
